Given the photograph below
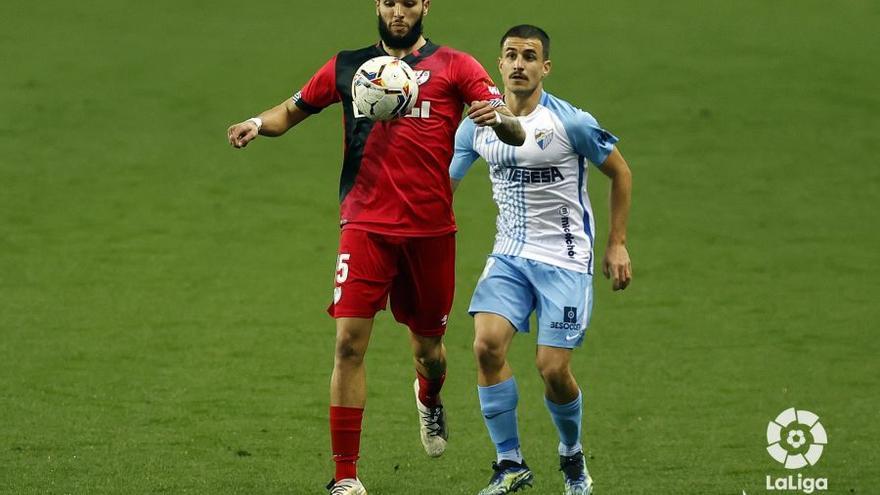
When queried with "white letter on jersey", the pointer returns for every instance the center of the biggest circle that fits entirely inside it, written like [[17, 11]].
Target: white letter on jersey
[[422, 112], [418, 112]]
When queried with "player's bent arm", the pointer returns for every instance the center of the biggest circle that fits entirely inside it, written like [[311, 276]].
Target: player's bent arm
[[275, 122], [617, 264], [280, 119], [509, 131], [500, 119]]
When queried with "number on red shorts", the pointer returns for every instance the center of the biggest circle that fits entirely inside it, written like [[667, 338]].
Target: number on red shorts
[[342, 268], [341, 275]]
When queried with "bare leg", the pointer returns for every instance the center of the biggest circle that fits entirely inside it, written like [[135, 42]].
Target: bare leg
[[429, 355], [348, 384], [554, 365], [348, 392], [493, 335]]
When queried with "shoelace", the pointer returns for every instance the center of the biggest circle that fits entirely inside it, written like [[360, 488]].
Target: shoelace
[[499, 470], [573, 467], [433, 419]]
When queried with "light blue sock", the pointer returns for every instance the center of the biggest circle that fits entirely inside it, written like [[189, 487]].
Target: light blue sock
[[567, 418], [498, 404]]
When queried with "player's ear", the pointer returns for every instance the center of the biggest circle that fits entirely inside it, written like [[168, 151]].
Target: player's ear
[[547, 66], [426, 5]]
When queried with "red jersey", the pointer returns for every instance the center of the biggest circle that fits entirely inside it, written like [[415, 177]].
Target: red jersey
[[395, 174]]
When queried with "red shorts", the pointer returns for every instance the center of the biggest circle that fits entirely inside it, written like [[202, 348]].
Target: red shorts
[[417, 272]]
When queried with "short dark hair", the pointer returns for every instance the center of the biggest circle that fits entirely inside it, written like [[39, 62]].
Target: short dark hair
[[527, 31]]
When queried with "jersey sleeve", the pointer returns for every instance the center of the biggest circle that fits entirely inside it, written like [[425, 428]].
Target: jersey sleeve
[[474, 83], [320, 92], [589, 139], [465, 155]]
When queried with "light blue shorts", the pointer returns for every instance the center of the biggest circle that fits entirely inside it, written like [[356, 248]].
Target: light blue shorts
[[513, 287]]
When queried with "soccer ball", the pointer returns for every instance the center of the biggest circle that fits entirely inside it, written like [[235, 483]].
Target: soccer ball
[[384, 88]]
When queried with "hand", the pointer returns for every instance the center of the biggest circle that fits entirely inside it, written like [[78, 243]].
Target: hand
[[617, 266], [242, 133], [483, 114]]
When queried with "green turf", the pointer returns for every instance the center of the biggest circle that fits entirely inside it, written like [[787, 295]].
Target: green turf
[[162, 296]]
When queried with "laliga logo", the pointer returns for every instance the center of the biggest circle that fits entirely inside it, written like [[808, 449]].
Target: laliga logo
[[804, 438], [796, 439]]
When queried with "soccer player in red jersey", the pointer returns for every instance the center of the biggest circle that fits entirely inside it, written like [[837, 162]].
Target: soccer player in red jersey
[[397, 225]]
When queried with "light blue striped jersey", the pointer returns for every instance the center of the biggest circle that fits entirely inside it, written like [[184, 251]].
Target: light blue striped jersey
[[544, 213]]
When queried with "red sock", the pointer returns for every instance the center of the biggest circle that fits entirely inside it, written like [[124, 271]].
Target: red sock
[[429, 390], [345, 437]]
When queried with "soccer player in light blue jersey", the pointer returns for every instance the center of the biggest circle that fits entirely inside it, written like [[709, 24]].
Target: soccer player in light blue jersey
[[543, 255]]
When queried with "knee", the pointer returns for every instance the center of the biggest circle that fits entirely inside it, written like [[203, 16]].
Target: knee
[[429, 353], [348, 353], [553, 373], [430, 360], [490, 355]]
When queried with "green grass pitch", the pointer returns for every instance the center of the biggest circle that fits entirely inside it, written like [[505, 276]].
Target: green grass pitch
[[162, 325]]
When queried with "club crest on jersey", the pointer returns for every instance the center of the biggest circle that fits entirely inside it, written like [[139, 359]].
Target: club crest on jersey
[[543, 137], [422, 76]]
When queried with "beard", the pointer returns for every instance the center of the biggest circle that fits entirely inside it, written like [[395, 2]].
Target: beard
[[400, 42]]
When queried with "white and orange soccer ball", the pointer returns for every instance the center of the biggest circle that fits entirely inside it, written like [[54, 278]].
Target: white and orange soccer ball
[[384, 88]]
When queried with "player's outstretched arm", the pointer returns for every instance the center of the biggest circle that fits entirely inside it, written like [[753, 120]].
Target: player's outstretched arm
[[617, 265], [275, 122], [500, 119]]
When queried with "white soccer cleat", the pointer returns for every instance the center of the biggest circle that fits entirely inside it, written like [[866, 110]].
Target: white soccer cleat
[[432, 426], [575, 475], [347, 486]]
